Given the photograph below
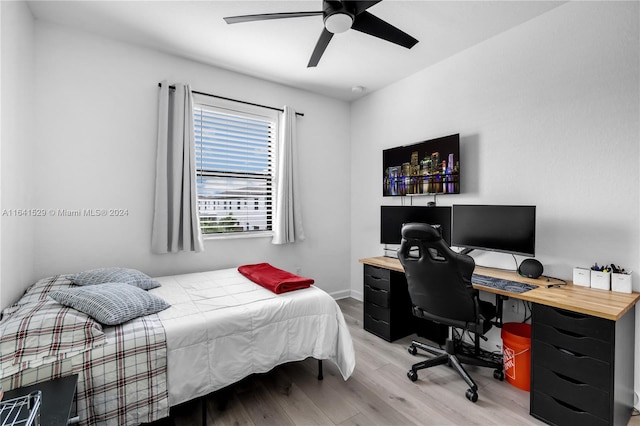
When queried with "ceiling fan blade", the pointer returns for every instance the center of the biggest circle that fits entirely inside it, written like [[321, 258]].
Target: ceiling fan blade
[[267, 16], [372, 25], [360, 6], [321, 45]]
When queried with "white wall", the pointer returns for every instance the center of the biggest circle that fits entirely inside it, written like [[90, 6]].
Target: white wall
[[548, 114], [17, 175], [94, 147]]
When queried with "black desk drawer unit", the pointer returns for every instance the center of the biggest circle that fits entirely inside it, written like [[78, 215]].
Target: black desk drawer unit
[[387, 308], [582, 368]]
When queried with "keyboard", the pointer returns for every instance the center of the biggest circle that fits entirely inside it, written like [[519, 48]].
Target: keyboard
[[499, 283]]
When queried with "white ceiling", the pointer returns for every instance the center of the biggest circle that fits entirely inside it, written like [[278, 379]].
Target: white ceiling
[[278, 50]]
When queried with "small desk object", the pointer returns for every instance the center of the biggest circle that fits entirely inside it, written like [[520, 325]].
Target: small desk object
[[582, 346], [56, 399]]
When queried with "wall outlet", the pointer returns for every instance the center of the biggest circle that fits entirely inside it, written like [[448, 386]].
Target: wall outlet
[[512, 305]]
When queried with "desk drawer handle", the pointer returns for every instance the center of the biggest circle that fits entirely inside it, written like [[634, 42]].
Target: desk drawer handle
[[568, 352], [569, 406], [569, 314], [569, 333], [377, 320], [375, 278], [378, 290], [568, 379]]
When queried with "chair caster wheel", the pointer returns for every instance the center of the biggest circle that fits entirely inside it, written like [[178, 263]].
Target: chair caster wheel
[[412, 375], [498, 375], [471, 395], [412, 350]]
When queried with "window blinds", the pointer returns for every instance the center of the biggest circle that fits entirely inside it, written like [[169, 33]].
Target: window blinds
[[234, 162]]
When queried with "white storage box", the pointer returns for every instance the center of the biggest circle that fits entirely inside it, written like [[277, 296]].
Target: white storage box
[[582, 277], [601, 280], [621, 283]]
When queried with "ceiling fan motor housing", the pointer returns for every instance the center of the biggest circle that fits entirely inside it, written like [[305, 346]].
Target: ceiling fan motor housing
[[337, 17]]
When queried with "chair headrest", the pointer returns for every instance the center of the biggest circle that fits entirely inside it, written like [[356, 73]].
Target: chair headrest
[[420, 231]]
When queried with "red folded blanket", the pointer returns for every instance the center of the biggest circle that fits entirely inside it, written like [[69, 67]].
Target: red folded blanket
[[274, 279]]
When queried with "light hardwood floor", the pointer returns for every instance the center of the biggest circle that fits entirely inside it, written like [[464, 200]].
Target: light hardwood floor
[[378, 392]]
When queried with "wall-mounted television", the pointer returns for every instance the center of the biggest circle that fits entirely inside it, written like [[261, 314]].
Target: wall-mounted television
[[506, 229], [428, 167], [393, 217]]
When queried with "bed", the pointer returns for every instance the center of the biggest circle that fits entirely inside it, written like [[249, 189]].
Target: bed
[[220, 328]]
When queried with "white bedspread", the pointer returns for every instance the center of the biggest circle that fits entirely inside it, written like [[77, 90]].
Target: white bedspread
[[222, 327]]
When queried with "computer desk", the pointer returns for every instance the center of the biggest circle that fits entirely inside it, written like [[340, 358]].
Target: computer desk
[[582, 342]]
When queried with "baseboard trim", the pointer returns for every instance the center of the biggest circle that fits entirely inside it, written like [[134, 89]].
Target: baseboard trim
[[342, 294], [357, 295]]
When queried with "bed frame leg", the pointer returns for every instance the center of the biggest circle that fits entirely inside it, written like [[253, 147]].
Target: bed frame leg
[[204, 410], [320, 376]]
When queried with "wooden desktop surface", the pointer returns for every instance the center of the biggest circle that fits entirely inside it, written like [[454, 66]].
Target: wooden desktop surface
[[599, 303]]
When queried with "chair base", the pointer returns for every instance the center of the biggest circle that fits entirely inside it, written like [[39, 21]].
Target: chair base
[[455, 360]]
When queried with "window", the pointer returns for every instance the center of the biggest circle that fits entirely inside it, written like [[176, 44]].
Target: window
[[234, 147]]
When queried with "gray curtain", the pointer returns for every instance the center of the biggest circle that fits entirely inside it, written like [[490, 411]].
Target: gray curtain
[[287, 218], [176, 226]]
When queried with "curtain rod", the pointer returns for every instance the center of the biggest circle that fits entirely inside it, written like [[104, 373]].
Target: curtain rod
[[235, 100]]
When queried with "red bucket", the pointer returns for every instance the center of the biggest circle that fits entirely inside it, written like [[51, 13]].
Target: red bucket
[[516, 352]]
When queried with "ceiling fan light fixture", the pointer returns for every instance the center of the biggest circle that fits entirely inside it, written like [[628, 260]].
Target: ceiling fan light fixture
[[338, 22]]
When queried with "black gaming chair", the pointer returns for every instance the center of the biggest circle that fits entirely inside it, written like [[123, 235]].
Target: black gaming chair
[[439, 282]]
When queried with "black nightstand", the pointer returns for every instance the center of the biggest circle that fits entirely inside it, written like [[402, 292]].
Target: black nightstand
[[57, 399]]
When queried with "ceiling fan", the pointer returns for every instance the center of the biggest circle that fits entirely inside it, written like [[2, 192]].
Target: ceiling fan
[[339, 16]]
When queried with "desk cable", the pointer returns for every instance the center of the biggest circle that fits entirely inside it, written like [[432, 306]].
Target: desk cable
[[467, 348]]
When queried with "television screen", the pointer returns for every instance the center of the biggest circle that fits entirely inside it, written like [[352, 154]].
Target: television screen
[[429, 167], [393, 217], [507, 229]]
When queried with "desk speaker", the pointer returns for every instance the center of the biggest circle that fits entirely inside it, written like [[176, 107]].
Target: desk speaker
[[530, 268]]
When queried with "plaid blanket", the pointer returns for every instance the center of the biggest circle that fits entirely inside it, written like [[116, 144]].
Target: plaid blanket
[[122, 371]]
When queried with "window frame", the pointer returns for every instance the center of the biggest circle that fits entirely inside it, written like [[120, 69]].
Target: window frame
[[248, 111]]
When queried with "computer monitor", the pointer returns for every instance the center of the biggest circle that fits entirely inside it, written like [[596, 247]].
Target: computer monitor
[[393, 217], [500, 228]]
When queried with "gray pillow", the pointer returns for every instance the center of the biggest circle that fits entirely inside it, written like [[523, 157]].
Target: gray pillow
[[110, 303], [114, 275]]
